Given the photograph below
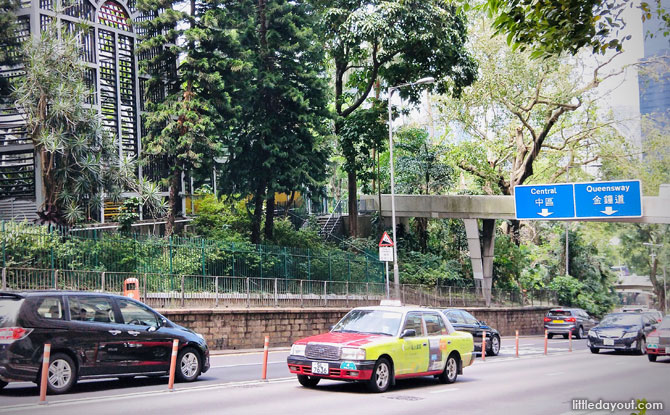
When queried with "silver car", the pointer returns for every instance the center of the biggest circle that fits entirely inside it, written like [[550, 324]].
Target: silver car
[[566, 320]]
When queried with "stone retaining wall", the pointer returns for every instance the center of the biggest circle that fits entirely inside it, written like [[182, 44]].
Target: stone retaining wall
[[246, 328]]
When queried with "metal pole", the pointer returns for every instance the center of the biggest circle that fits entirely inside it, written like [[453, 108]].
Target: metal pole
[[567, 241], [665, 292], [388, 291], [396, 277]]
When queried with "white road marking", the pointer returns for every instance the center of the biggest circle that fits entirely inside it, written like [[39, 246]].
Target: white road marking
[[555, 373], [247, 364], [445, 390]]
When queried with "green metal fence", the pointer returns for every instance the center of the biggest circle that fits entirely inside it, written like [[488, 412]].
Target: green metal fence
[[46, 247]]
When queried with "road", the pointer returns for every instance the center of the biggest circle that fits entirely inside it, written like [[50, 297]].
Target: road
[[530, 384]]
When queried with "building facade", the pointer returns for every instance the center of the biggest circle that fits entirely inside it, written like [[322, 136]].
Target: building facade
[[108, 39]]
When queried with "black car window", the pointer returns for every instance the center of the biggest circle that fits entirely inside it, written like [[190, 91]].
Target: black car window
[[137, 314], [95, 309], [562, 313], [469, 319], [623, 319], [455, 317], [413, 322], [434, 324], [50, 308]]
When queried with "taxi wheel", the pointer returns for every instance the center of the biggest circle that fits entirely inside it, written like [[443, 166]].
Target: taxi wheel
[[62, 374], [308, 381], [450, 372], [651, 357], [381, 376], [188, 365]]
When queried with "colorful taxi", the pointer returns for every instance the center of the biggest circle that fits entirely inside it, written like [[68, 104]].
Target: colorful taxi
[[658, 341], [379, 344]]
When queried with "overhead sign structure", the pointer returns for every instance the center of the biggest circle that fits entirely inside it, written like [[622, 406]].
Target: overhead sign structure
[[622, 199], [592, 200], [386, 248], [544, 201]]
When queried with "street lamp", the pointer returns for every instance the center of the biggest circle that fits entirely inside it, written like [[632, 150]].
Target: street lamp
[[391, 90], [665, 287]]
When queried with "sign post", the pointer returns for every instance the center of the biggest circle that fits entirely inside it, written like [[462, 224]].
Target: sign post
[[386, 256]]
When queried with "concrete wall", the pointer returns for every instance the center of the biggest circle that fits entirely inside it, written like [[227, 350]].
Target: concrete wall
[[246, 328]]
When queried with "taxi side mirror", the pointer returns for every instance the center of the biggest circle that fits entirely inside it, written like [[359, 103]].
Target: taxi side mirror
[[408, 333]]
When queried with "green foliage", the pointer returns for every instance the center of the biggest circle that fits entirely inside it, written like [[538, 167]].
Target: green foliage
[[223, 220], [79, 158], [556, 26], [286, 235], [9, 49], [128, 213]]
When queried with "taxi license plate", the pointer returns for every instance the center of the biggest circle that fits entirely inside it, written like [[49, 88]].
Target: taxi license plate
[[608, 342], [558, 321], [319, 368], [667, 350]]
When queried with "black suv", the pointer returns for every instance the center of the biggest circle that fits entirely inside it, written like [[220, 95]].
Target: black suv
[[565, 320], [92, 335]]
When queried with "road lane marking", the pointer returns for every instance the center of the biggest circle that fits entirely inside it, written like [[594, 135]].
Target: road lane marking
[[555, 373], [248, 364], [97, 399], [446, 390]]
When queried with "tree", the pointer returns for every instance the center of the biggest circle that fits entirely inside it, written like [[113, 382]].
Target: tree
[[556, 26], [395, 42], [274, 72], [524, 118], [79, 159], [184, 99], [9, 47]]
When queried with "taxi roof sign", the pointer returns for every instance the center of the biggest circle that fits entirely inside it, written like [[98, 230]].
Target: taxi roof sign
[[386, 240]]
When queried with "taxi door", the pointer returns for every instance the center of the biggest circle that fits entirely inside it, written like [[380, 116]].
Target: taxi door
[[415, 349], [438, 341]]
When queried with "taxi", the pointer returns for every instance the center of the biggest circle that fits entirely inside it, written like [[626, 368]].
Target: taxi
[[377, 345]]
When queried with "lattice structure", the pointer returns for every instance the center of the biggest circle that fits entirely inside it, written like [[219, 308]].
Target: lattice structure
[[108, 39]]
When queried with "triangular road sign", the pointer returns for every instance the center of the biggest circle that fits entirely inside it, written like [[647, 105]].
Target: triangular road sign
[[386, 240]]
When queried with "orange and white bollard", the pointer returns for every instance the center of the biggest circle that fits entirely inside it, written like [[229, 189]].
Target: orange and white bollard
[[45, 373], [173, 363], [265, 357], [484, 345], [517, 343], [546, 340], [570, 339]]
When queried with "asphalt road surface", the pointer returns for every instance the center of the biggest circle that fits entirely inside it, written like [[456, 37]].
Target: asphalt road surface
[[530, 384]]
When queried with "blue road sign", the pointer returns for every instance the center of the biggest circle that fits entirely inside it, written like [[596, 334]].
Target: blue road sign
[[544, 201], [608, 199]]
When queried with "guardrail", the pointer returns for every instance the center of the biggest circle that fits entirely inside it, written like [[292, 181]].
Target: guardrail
[[179, 291]]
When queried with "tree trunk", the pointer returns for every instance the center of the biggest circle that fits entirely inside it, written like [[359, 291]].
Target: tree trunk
[[422, 232], [353, 204], [658, 285], [175, 180], [258, 215], [270, 216]]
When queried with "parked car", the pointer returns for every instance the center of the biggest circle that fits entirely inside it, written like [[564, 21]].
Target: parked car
[[622, 331], [655, 314], [377, 345], [92, 335], [464, 321], [565, 320], [658, 341]]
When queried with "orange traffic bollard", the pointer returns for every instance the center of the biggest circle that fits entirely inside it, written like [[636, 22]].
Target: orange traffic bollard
[[173, 363], [484, 345], [517, 343], [45, 373], [546, 339], [265, 357], [570, 338]]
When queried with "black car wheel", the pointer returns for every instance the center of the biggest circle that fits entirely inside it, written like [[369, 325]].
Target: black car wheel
[[188, 365], [651, 357], [495, 346], [62, 374], [580, 333], [308, 381], [595, 350], [642, 346], [382, 376], [549, 336], [3, 383], [450, 372]]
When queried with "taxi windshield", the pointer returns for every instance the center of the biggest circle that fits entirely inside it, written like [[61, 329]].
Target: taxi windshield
[[370, 322]]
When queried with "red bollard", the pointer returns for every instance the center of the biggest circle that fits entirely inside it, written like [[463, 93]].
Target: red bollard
[[484, 345], [570, 339], [45, 373], [173, 363], [517, 343], [265, 357], [546, 339]]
